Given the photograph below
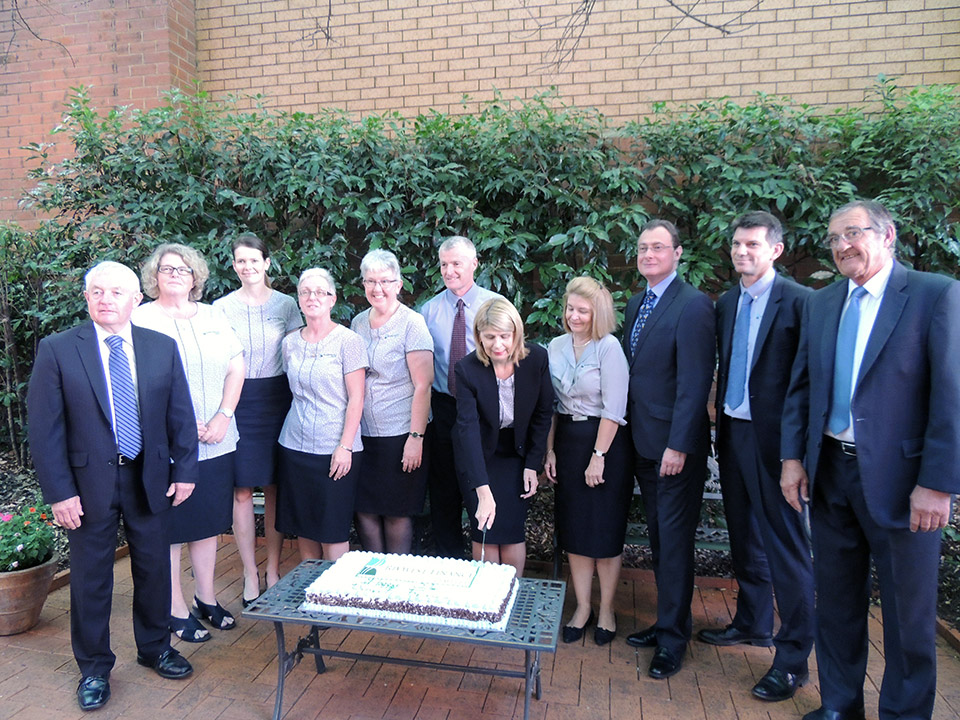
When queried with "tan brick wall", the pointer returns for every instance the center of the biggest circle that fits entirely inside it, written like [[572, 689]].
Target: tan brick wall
[[411, 56], [126, 51], [415, 55]]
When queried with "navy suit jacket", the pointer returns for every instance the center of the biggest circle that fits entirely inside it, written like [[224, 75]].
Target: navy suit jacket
[[477, 430], [671, 372], [71, 435], [906, 405], [769, 372]]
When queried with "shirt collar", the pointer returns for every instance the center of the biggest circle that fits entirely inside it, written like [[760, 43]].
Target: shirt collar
[[875, 285], [661, 287], [468, 297], [760, 286], [125, 333]]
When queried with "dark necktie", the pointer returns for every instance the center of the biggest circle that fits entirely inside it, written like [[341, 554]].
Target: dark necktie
[[646, 307], [129, 439], [843, 364], [737, 377], [458, 345]]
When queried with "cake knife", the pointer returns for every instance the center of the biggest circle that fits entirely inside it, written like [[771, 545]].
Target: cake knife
[[483, 544]]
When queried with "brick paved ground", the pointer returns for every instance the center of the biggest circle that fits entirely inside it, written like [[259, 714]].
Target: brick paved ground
[[236, 672]]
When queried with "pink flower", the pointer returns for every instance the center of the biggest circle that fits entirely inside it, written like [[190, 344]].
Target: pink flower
[[6, 517]]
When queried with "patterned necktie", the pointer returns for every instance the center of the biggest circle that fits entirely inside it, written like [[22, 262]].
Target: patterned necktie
[[129, 439], [737, 377], [458, 345], [839, 419], [646, 307]]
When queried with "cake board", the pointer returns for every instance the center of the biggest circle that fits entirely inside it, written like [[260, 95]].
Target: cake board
[[533, 627]]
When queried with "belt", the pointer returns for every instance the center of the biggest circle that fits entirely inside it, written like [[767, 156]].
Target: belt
[[847, 448], [575, 418], [124, 460]]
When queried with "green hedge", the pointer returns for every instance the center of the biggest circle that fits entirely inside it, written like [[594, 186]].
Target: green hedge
[[546, 191]]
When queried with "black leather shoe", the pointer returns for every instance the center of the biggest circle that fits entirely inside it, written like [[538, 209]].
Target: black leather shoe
[[573, 634], [732, 636], [824, 714], [643, 638], [93, 692], [664, 664], [170, 664], [779, 685], [602, 636]]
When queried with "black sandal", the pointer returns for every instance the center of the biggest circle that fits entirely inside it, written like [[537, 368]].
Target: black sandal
[[214, 614], [188, 629]]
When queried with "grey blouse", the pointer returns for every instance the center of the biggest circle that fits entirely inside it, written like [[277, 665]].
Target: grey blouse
[[594, 386], [388, 391], [207, 344], [315, 372], [261, 328]]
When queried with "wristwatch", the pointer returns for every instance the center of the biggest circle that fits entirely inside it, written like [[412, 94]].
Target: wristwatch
[[415, 434], [226, 413], [598, 453]]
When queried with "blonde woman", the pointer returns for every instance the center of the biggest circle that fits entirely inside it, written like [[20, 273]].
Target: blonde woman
[[213, 360], [504, 407], [589, 456]]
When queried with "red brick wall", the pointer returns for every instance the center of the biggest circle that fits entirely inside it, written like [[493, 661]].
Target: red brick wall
[[127, 51]]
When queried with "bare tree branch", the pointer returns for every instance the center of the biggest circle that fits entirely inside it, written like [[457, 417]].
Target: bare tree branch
[[18, 20]]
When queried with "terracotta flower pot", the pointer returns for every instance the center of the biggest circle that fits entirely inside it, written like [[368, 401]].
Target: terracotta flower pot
[[22, 594]]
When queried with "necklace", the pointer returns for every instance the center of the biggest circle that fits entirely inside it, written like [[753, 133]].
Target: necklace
[[579, 345]]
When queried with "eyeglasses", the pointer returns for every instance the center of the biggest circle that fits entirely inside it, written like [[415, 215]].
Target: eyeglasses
[[850, 235], [657, 248], [315, 293], [378, 283], [171, 270]]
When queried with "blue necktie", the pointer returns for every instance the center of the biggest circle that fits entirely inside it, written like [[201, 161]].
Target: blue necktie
[[737, 377], [646, 307], [129, 439], [839, 419]]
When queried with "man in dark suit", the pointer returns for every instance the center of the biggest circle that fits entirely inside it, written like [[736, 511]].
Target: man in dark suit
[[871, 438], [758, 329], [669, 342], [112, 434]]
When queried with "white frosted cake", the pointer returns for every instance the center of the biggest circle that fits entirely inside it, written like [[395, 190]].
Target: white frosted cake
[[444, 591]]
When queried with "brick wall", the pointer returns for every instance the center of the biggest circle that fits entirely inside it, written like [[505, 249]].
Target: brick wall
[[127, 51], [413, 55]]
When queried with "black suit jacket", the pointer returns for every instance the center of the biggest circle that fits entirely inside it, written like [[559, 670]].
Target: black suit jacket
[[907, 397], [671, 372], [477, 430], [71, 436], [769, 370]]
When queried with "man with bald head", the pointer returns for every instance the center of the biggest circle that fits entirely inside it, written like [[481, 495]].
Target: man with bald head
[[871, 441], [112, 435]]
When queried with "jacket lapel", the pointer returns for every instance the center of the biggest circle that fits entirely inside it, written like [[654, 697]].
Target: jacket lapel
[[891, 307], [663, 304], [766, 322], [830, 327], [729, 303], [93, 366]]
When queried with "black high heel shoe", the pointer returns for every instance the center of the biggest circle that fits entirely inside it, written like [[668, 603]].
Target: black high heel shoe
[[247, 603], [602, 636], [214, 614], [572, 634]]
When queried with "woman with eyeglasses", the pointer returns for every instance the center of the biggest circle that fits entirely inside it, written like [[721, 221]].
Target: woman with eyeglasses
[[213, 361], [393, 480], [320, 446], [261, 318]]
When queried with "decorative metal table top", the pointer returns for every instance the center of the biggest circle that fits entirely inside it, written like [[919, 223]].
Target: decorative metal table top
[[533, 625]]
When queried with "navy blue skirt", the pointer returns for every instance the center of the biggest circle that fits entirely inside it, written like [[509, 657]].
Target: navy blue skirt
[[505, 475], [209, 509], [263, 405], [312, 505], [383, 487]]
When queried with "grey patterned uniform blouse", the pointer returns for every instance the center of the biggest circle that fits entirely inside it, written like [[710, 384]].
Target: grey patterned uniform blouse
[[315, 372], [261, 329], [594, 386], [388, 391], [207, 344]]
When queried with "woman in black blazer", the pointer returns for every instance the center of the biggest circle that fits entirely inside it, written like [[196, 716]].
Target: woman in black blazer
[[504, 408]]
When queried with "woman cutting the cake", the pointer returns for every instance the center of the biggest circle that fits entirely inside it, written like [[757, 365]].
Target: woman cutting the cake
[[504, 408]]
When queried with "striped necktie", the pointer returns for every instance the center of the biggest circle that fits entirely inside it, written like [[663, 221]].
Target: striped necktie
[[129, 439], [646, 307]]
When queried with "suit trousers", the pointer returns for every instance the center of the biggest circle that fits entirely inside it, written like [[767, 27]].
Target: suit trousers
[[672, 505], [446, 502], [768, 547], [92, 549], [844, 539]]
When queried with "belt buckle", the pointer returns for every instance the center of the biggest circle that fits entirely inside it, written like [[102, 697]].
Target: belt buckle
[[579, 418], [848, 448], [124, 460]]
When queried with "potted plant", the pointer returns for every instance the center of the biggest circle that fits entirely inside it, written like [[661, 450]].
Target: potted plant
[[27, 566]]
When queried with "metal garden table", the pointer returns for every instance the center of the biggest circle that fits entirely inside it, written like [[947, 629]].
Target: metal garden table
[[532, 627]]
